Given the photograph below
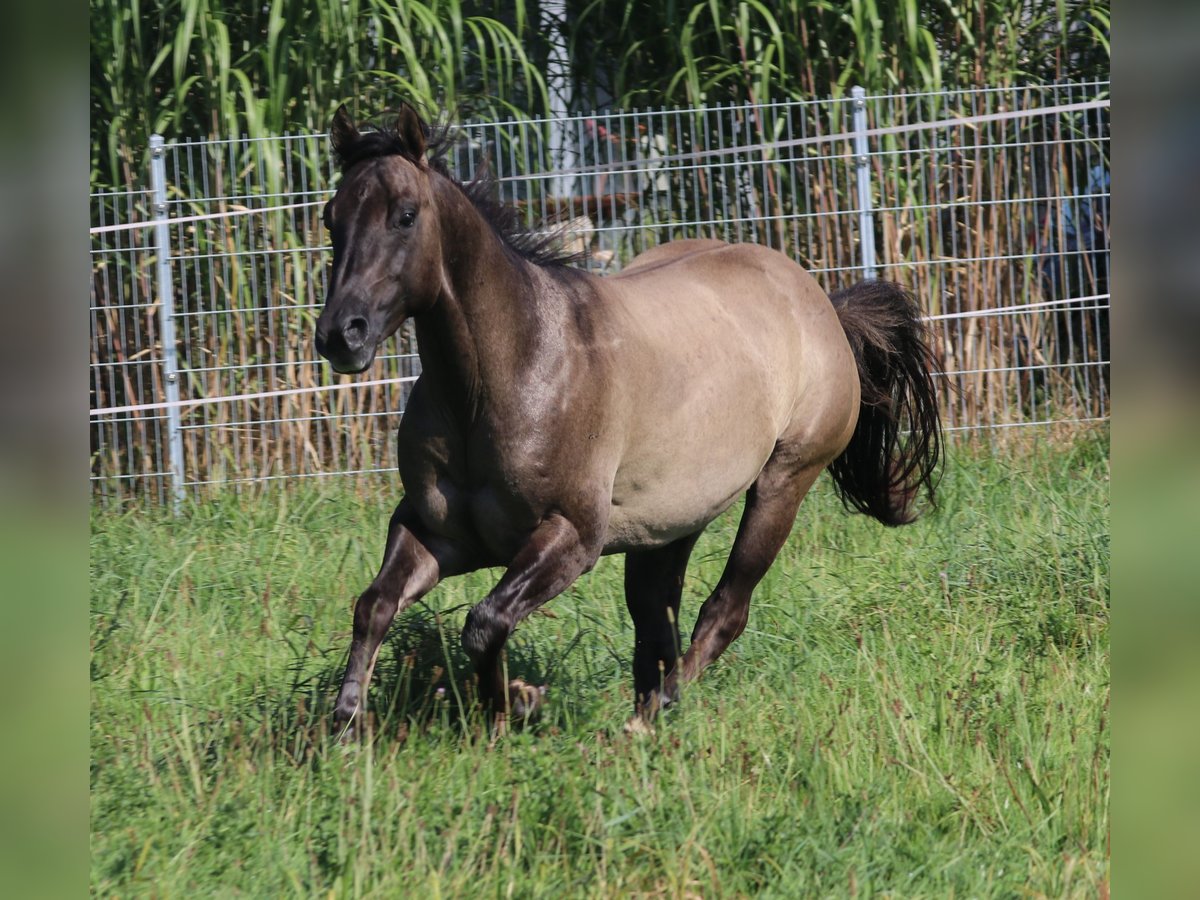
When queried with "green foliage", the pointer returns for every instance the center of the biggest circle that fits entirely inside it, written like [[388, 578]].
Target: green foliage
[[674, 53], [911, 712], [213, 68], [194, 68]]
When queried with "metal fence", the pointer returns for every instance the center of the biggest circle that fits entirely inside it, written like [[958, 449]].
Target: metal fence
[[991, 205]]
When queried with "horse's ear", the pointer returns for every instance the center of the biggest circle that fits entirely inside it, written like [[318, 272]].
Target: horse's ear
[[411, 130], [343, 133]]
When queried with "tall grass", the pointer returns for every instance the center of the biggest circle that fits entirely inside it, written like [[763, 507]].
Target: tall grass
[[706, 52], [219, 68], [914, 712]]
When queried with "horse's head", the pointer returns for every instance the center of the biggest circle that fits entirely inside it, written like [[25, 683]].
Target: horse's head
[[386, 239]]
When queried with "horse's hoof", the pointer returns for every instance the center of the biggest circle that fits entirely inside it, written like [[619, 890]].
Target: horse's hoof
[[639, 726], [347, 715], [525, 701], [346, 730]]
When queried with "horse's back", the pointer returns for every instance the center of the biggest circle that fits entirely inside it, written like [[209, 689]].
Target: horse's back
[[671, 251], [743, 279], [705, 306]]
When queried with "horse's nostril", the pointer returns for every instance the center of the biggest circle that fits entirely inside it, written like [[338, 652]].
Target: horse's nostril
[[355, 332]]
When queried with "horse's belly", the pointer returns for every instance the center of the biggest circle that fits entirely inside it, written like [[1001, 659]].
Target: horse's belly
[[635, 529], [662, 500]]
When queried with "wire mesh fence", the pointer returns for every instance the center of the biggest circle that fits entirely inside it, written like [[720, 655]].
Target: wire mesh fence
[[997, 222]]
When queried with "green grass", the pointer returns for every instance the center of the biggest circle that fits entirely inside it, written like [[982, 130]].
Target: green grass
[[913, 712]]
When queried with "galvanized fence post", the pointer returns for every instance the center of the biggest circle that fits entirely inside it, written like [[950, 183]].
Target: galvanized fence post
[[862, 168], [166, 315]]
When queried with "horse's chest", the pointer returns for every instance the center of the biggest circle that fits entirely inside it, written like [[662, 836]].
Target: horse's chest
[[479, 485], [483, 519], [480, 507]]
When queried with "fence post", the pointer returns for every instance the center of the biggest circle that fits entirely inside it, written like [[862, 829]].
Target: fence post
[[166, 316], [862, 166]]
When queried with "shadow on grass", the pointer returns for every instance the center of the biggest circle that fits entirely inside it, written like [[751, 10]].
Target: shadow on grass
[[423, 683]]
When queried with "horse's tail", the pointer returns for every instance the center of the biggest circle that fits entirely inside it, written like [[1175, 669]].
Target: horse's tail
[[896, 449]]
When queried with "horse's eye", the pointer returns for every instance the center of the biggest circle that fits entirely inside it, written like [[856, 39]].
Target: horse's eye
[[407, 219]]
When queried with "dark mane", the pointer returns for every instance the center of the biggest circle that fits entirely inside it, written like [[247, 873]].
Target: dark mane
[[542, 247]]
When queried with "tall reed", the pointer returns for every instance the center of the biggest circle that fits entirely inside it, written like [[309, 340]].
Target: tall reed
[[633, 53], [217, 68]]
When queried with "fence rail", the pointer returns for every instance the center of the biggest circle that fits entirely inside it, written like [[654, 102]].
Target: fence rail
[[991, 205]]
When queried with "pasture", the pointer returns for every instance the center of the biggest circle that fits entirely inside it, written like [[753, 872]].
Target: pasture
[[919, 711]]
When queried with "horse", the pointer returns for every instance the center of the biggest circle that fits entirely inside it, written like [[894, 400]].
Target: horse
[[560, 416]]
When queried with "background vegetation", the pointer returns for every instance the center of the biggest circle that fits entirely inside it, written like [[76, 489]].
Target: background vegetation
[[210, 68], [800, 49], [215, 68], [967, 218], [911, 712]]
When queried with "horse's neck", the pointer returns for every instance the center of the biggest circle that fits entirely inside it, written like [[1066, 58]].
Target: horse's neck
[[475, 339]]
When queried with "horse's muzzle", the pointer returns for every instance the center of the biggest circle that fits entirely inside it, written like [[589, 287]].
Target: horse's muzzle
[[347, 343]]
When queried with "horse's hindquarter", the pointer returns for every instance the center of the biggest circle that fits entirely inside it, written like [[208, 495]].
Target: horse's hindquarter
[[728, 352]]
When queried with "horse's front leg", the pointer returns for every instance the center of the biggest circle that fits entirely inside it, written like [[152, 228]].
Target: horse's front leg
[[554, 555], [413, 562]]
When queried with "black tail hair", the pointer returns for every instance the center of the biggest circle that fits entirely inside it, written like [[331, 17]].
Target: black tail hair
[[896, 449]]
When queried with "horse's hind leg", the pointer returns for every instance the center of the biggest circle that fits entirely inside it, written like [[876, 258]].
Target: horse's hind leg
[[412, 564], [653, 586], [770, 512]]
